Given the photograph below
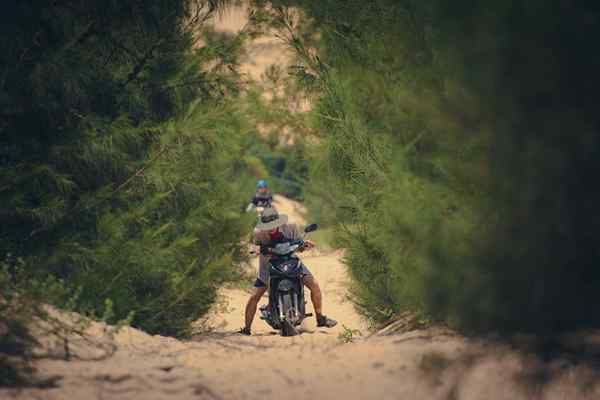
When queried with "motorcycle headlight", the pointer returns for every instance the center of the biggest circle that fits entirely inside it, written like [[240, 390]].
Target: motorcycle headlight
[[282, 248], [285, 285]]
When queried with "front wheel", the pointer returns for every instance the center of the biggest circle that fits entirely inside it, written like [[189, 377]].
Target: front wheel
[[287, 327]]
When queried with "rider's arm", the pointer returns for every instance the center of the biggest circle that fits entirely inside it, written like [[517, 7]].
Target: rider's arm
[[298, 234], [292, 232], [260, 237]]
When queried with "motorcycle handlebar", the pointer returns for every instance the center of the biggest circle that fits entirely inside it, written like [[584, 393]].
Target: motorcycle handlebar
[[266, 250]]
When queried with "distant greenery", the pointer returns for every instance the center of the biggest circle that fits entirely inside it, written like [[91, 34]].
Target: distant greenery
[[280, 138], [285, 166], [323, 237], [458, 149]]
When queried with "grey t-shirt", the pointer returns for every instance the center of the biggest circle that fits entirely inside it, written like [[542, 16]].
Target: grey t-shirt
[[289, 231]]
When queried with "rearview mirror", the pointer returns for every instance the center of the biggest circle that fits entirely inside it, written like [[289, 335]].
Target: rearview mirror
[[310, 228]]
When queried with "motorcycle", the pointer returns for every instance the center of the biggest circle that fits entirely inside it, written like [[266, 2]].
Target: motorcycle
[[287, 307], [259, 207]]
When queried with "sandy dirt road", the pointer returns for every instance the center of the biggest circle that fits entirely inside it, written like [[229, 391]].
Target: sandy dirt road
[[421, 364]]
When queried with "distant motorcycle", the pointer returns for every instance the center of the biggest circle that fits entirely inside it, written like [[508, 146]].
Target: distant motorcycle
[[286, 309], [259, 206]]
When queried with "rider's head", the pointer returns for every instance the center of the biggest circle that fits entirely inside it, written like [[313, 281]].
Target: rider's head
[[261, 186], [270, 221]]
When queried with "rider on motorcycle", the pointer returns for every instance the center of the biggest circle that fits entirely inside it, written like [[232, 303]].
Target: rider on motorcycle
[[262, 197], [273, 228]]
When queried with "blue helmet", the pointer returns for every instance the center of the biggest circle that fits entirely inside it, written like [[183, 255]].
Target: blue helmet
[[261, 184]]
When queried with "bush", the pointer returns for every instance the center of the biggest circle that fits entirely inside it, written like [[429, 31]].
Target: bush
[[121, 157], [164, 258]]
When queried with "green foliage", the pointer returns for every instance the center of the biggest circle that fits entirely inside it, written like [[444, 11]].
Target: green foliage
[[458, 146], [121, 157], [164, 258], [348, 335]]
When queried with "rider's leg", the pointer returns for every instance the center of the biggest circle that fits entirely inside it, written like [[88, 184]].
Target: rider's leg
[[315, 294], [253, 303], [260, 287], [315, 298]]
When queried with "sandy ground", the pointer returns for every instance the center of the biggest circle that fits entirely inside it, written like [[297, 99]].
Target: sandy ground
[[318, 364]]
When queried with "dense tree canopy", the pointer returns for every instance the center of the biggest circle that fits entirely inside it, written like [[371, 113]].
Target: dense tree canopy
[[460, 140], [121, 162]]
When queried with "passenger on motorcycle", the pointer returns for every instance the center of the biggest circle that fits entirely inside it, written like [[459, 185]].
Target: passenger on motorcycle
[[274, 228], [262, 196]]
